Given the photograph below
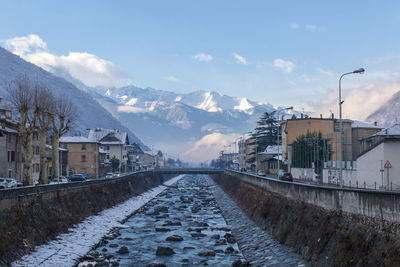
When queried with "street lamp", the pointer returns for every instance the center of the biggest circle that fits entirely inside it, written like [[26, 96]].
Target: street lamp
[[277, 136], [360, 71]]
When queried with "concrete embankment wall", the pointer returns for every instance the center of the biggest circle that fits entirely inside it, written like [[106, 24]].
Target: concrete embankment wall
[[31, 216], [325, 225]]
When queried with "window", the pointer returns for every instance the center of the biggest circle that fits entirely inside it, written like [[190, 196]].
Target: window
[[65, 146], [83, 158], [9, 173], [12, 156], [8, 156], [108, 156], [83, 146], [108, 148]]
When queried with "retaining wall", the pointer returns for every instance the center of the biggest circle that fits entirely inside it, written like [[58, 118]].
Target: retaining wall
[[314, 221], [30, 216]]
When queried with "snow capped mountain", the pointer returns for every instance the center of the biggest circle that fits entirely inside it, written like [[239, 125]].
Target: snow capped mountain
[[389, 113], [90, 113]]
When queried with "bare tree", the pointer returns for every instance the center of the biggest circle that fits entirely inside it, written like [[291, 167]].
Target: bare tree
[[63, 119], [44, 106], [21, 97]]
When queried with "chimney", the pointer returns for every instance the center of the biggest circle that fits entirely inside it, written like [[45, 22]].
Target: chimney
[[320, 115], [375, 123], [333, 116]]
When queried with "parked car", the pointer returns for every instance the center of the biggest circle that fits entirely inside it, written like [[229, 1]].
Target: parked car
[[11, 182], [286, 176], [280, 173], [76, 178], [109, 175], [3, 183], [61, 180], [261, 172], [116, 174], [84, 175]]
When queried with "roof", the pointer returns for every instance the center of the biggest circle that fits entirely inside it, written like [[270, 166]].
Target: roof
[[108, 136], [393, 130], [59, 149], [8, 130], [102, 151], [360, 124], [76, 139], [272, 150]]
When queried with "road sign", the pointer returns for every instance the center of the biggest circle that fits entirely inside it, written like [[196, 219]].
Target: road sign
[[387, 164]]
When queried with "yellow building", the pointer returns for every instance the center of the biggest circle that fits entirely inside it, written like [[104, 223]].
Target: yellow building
[[328, 127]]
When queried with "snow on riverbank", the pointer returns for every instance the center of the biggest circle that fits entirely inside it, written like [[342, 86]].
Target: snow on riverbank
[[79, 240]]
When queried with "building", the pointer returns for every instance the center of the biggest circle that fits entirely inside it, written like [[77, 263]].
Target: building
[[329, 129], [85, 156], [114, 143], [10, 145], [378, 165], [268, 159], [360, 131], [242, 154]]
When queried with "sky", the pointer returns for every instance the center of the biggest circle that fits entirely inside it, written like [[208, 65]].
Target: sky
[[281, 52]]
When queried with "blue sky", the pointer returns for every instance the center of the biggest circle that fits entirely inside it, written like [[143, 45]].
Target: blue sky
[[287, 52]]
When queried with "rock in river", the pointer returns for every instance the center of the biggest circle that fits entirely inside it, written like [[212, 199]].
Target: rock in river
[[174, 238], [164, 251]]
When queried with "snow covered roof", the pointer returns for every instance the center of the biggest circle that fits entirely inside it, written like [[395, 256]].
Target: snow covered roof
[[272, 150], [102, 151], [393, 130], [76, 139], [360, 124], [108, 136], [60, 148]]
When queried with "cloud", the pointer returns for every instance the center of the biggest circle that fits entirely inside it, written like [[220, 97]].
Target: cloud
[[209, 146], [294, 25], [22, 45], [172, 79], [203, 57], [286, 66], [85, 67], [315, 28], [326, 72], [359, 102], [240, 59]]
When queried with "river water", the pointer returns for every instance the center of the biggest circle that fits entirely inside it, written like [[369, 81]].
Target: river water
[[185, 226]]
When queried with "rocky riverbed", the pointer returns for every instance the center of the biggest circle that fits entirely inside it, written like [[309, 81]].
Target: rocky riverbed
[[184, 226]]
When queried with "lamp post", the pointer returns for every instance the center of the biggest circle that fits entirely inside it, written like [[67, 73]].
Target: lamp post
[[277, 136], [360, 71]]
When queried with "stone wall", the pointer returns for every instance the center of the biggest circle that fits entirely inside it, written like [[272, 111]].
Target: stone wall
[[31, 216], [312, 221]]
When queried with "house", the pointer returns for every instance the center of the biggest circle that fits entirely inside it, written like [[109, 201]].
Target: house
[[360, 131], [114, 142], [85, 155], [10, 145], [268, 159], [378, 165]]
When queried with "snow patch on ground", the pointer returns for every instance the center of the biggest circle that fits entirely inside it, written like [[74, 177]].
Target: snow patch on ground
[[79, 240]]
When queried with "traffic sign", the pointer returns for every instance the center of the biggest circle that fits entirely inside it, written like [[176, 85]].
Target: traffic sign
[[387, 164]]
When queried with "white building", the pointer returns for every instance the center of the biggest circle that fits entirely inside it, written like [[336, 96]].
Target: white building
[[114, 143], [379, 164]]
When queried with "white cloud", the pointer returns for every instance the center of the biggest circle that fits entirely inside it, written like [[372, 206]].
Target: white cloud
[[240, 59], [172, 79], [286, 66], [203, 57], [326, 72], [130, 109], [85, 67], [294, 25], [359, 102], [209, 146], [22, 45], [315, 28]]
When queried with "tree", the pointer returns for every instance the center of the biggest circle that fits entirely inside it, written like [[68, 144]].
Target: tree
[[264, 134], [21, 96], [44, 105], [160, 154], [63, 119], [311, 148], [114, 164]]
